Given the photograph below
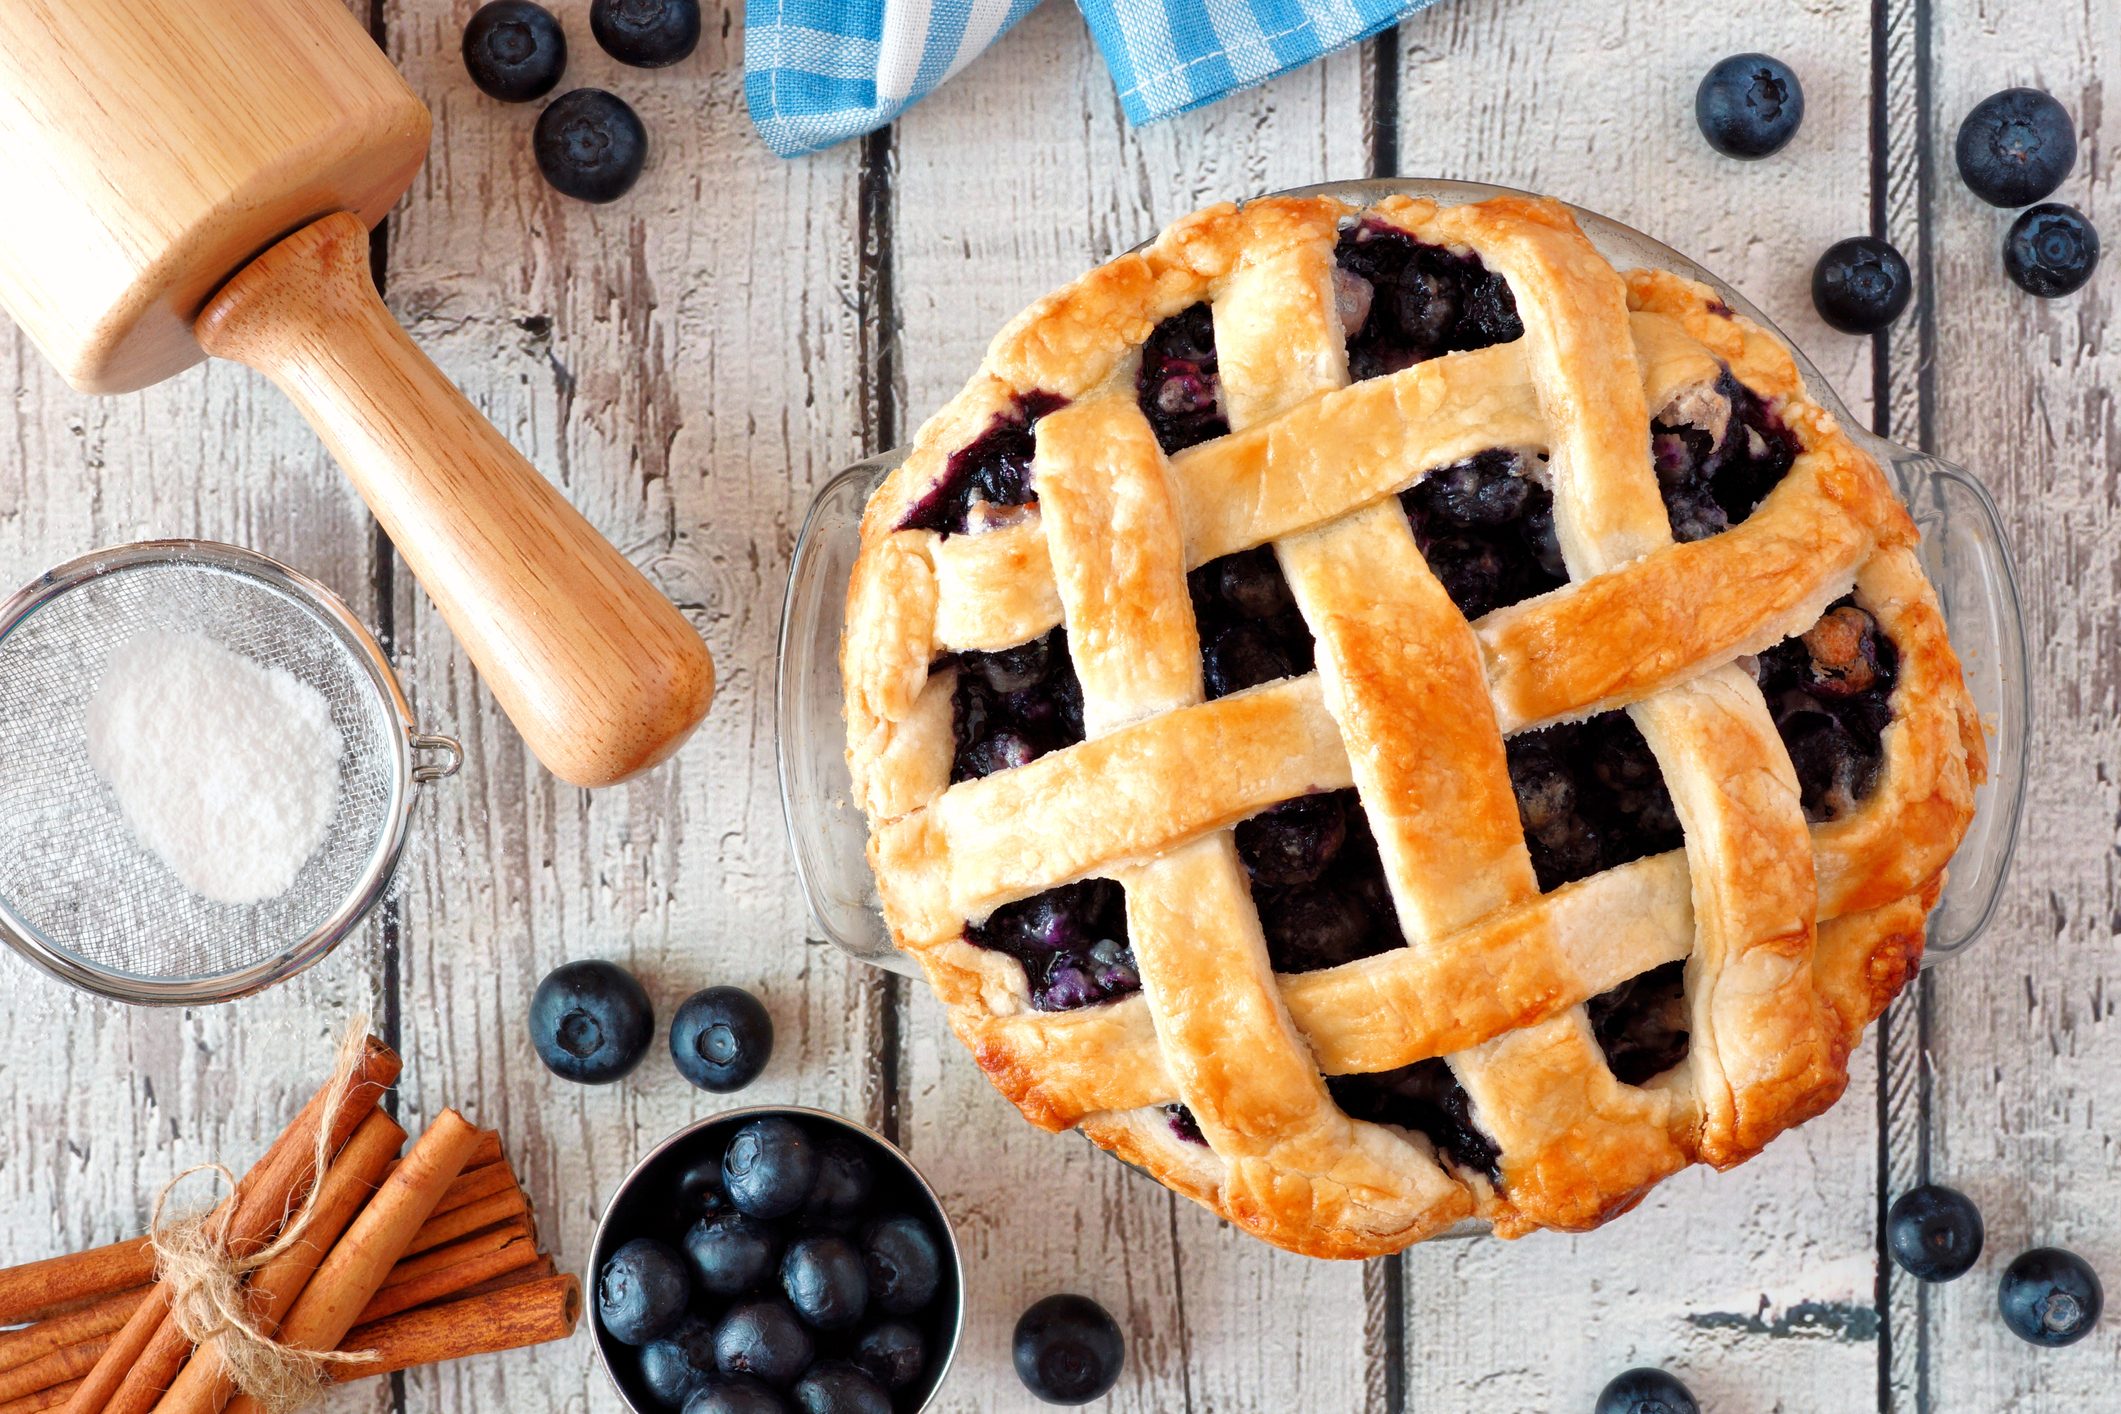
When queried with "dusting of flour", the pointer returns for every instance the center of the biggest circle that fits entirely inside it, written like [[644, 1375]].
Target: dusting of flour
[[227, 769]]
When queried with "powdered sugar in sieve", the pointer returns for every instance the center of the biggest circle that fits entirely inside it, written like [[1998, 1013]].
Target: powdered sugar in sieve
[[96, 883]]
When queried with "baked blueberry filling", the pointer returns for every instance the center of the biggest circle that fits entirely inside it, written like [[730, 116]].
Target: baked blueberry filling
[[1426, 1098], [1013, 706], [1318, 882], [1402, 302], [1591, 797], [994, 469], [1178, 386], [1487, 531], [1250, 631], [1072, 942], [1642, 1024], [1717, 462], [1184, 1125], [1830, 692]]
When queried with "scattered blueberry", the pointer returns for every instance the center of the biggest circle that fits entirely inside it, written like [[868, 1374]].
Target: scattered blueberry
[[904, 1264], [699, 1190], [591, 1022], [1935, 1232], [844, 1180], [648, 34], [1646, 1391], [1749, 106], [734, 1394], [679, 1363], [1068, 1350], [2051, 250], [769, 1168], [836, 1387], [2050, 1297], [721, 1039], [642, 1291], [1861, 285], [590, 145], [515, 51], [763, 1338], [823, 1277], [730, 1253], [893, 1353], [2016, 147]]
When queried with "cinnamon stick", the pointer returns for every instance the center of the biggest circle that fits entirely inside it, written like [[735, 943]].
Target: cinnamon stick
[[448, 1227], [204, 1384], [531, 1313], [58, 1367], [481, 1263], [99, 1317], [44, 1399], [39, 1289], [149, 1351], [361, 1261], [475, 1184]]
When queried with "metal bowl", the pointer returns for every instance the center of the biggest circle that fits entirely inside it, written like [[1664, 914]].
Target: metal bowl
[[625, 1218]]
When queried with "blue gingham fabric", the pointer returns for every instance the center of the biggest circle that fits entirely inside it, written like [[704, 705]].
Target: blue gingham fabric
[[817, 72]]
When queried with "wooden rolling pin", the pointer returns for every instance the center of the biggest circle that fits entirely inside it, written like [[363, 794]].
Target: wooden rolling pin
[[199, 176]]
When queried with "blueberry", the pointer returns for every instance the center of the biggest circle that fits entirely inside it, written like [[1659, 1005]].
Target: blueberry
[[1068, 1350], [769, 1168], [642, 1291], [2050, 1297], [591, 1022], [515, 51], [1252, 583], [2016, 147], [843, 1179], [1646, 1391], [1312, 927], [836, 1387], [904, 1264], [762, 1338], [590, 145], [1293, 842], [1241, 656], [680, 1362], [730, 1253], [823, 1277], [1861, 285], [721, 1039], [893, 1353], [1015, 669], [1935, 1232], [647, 34], [2051, 250], [1749, 106], [734, 1394], [699, 1190]]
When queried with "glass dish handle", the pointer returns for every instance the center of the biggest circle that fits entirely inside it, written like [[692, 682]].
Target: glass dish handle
[[1965, 550]]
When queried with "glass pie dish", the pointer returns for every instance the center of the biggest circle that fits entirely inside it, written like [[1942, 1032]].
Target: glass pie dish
[[1964, 550]]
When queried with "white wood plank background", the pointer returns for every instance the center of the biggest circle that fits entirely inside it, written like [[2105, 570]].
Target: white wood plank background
[[690, 363]]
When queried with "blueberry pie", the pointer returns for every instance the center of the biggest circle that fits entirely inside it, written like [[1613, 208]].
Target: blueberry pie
[[1380, 718]]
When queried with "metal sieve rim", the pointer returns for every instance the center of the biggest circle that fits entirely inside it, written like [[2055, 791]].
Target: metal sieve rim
[[405, 772]]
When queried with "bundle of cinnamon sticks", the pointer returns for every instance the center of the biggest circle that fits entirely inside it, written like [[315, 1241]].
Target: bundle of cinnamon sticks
[[407, 1261]]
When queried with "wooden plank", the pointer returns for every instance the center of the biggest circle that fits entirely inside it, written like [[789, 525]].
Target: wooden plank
[[2023, 1056], [1013, 179], [1756, 1286], [683, 363]]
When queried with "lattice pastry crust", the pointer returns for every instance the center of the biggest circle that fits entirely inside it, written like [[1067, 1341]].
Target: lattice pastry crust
[[1793, 935]]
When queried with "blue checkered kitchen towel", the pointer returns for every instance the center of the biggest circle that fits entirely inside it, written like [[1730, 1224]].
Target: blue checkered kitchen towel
[[817, 72]]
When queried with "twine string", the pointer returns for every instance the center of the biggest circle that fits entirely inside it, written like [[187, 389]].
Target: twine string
[[207, 1280]]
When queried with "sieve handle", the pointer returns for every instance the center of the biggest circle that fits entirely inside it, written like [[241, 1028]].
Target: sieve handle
[[599, 672]]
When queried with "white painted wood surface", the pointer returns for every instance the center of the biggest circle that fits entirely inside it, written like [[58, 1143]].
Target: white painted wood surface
[[689, 364]]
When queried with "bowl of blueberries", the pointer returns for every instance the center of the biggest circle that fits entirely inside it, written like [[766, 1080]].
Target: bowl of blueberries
[[776, 1260]]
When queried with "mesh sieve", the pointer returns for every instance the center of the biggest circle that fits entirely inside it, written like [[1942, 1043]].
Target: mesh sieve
[[79, 895]]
